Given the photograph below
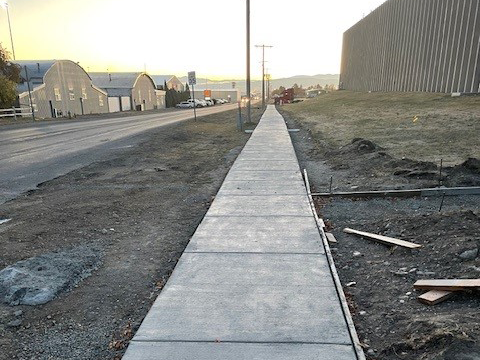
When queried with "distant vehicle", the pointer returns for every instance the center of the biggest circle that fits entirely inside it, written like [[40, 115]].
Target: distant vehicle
[[203, 103], [197, 103], [286, 98], [185, 105], [210, 102], [218, 101]]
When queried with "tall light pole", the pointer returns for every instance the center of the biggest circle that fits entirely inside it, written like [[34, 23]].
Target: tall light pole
[[249, 107], [263, 71], [4, 4]]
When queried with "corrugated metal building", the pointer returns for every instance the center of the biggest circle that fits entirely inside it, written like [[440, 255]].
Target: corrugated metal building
[[59, 88], [414, 45], [129, 91], [172, 82]]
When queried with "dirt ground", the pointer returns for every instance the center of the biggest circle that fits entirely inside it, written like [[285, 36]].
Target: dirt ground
[[391, 323], [138, 211]]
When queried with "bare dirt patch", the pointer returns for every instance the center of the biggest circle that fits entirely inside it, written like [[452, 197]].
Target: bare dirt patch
[[390, 321], [139, 210]]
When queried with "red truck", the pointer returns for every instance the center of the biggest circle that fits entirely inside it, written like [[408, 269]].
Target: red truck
[[286, 98]]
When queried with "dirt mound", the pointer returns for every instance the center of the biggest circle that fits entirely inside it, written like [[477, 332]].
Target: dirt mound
[[465, 174], [40, 279], [359, 145]]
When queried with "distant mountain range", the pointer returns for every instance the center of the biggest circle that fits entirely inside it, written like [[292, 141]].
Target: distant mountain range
[[304, 80]]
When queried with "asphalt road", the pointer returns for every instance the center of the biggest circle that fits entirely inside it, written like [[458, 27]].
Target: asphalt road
[[34, 153]]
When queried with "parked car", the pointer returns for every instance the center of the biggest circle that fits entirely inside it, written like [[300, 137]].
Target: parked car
[[184, 105], [210, 102], [203, 103], [197, 103]]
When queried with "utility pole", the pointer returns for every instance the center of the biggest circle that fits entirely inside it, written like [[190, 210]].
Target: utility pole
[[29, 92], [267, 77], [263, 71], [5, 4], [249, 107]]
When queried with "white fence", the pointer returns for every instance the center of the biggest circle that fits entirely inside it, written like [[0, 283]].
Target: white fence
[[15, 112]]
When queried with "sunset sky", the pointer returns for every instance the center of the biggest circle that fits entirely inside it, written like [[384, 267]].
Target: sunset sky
[[173, 37]]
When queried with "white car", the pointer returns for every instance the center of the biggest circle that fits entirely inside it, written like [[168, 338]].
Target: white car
[[185, 105], [196, 102]]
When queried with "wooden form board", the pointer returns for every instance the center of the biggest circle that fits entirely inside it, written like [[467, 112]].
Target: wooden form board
[[447, 284], [383, 239], [330, 238], [434, 297]]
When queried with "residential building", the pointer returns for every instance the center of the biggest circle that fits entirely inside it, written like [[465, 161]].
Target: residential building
[[172, 82]]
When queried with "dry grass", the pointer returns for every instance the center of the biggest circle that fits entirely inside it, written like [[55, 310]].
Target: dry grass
[[420, 126]]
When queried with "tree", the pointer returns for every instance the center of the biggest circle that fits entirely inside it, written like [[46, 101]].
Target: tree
[[9, 78], [8, 92]]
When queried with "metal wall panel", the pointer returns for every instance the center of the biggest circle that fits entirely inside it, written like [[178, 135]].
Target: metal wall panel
[[414, 45]]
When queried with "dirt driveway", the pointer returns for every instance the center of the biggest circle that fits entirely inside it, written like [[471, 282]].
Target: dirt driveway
[[136, 212]]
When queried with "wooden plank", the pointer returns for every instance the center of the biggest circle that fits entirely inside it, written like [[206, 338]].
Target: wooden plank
[[331, 238], [447, 284], [383, 239], [469, 190], [434, 297]]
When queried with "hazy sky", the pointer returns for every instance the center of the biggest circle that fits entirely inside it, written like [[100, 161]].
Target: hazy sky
[[175, 36]]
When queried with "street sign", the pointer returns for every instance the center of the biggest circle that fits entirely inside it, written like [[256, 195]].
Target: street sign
[[207, 93], [192, 79]]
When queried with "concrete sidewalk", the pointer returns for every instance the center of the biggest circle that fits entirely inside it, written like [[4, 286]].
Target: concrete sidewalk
[[254, 282]]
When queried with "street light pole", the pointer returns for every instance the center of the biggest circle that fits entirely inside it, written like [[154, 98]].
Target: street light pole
[[5, 4], [249, 108]]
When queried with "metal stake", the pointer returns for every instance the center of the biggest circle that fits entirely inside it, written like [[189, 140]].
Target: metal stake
[[331, 182], [441, 203]]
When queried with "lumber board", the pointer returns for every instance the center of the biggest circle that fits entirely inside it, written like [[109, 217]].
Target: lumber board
[[383, 239], [447, 284], [470, 190], [434, 297], [331, 238]]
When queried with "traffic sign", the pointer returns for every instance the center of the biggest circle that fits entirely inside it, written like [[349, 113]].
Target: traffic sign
[[192, 79]]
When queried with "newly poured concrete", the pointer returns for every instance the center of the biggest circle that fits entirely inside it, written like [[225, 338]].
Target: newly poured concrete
[[254, 282]]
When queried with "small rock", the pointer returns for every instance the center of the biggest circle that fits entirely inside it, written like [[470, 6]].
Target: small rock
[[18, 313], [469, 254], [362, 312], [408, 293], [357, 254], [402, 301], [412, 270], [352, 283], [49, 317], [14, 323], [371, 352]]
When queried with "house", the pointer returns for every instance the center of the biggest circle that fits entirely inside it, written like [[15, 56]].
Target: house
[[59, 88], [172, 82], [129, 91]]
